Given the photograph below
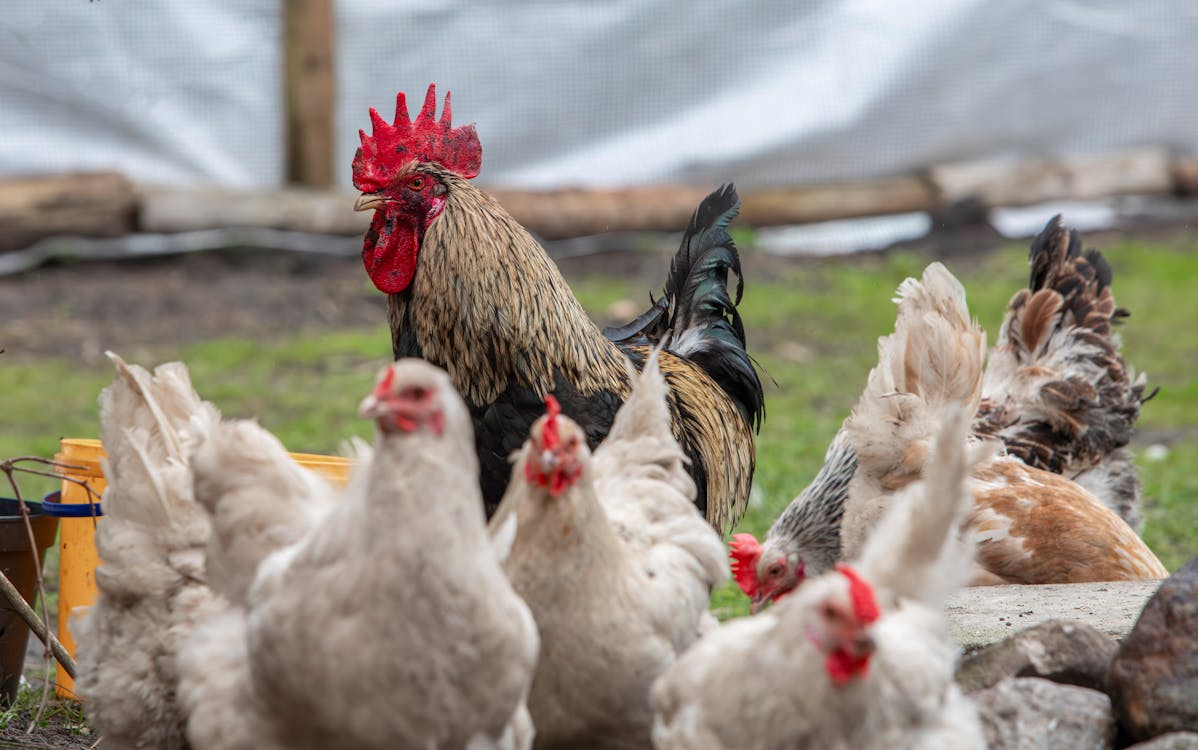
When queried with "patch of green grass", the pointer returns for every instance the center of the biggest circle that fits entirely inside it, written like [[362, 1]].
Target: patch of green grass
[[64, 715], [304, 388], [1171, 502]]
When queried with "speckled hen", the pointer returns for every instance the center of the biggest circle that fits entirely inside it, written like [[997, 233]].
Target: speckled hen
[[1030, 525]]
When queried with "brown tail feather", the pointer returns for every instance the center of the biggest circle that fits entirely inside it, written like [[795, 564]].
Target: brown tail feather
[[1057, 391]]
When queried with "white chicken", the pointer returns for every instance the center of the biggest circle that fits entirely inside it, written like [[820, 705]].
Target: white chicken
[[151, 585], [259, 501], [388, 623], [615, 562], [1031, 525], [858, 658]]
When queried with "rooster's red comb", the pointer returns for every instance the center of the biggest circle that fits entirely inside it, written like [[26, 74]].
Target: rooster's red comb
[[865, 606], [393, 145], [745, 552]]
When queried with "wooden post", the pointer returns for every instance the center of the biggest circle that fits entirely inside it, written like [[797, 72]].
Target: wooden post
[[92, 204], [308, 80]]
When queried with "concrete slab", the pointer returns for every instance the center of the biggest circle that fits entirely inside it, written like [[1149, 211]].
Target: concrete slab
[[981, 615]]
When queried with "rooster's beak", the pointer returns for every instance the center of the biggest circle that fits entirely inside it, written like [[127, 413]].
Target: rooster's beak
[[367, 201], [548, 462]]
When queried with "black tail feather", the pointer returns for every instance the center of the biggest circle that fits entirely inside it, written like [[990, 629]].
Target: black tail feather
[[697, 317], [704, 324]]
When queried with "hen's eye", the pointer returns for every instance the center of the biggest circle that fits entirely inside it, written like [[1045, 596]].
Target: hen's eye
[[774, 571], [416, 183]]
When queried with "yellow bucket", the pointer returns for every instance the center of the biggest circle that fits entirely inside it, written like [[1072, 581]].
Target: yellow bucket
[[76, 539]]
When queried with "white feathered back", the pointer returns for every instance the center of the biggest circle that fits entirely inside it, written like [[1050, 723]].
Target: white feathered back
[[149, 424], [933, 359], [151, 543], [642, 468]]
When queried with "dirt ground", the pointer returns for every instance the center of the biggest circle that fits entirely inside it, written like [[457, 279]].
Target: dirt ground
[[79, 309], [54, 736]]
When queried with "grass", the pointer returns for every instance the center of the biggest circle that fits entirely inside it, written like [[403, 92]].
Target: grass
[[63, 716], [812, 328]]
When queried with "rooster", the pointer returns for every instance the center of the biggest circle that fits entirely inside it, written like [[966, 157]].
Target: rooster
[[1056, 390], [1031, 525], [859, 657], [615, 563], [471, 291]]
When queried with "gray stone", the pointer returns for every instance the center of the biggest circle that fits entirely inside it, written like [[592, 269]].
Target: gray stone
[[1171, 741], [1029, 713], [1154, 675], [1072, 653], [981, 615]]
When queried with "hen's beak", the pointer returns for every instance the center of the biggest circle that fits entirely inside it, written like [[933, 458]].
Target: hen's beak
[[863, 644], [548, 461], [757, 603], [367, 201], [369, 408]]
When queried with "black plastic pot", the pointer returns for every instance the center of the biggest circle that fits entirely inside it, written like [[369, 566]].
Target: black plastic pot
[[17, 563]]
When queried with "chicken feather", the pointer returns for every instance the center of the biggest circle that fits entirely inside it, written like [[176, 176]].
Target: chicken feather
[[152, 583], [1057, 391]]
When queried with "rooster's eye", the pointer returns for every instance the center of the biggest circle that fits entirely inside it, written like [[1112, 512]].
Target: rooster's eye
[[416, 183], [774, 571]]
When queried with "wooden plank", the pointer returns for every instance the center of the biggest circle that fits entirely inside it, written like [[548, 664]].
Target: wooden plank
[[1000, 183], [167, 209], [575, 212], [550, 214], [309, 85], [554, 214], [95, 204], [838, 200]]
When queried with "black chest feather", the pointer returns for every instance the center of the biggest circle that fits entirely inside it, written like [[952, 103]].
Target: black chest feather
[[502, 426]]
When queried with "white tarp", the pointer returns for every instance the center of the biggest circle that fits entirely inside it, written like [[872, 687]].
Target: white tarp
[[169, 91], [608, 93]]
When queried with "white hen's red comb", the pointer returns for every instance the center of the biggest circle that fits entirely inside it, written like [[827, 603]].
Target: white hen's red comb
[[550, 437], [865, 606], [745, 551]]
